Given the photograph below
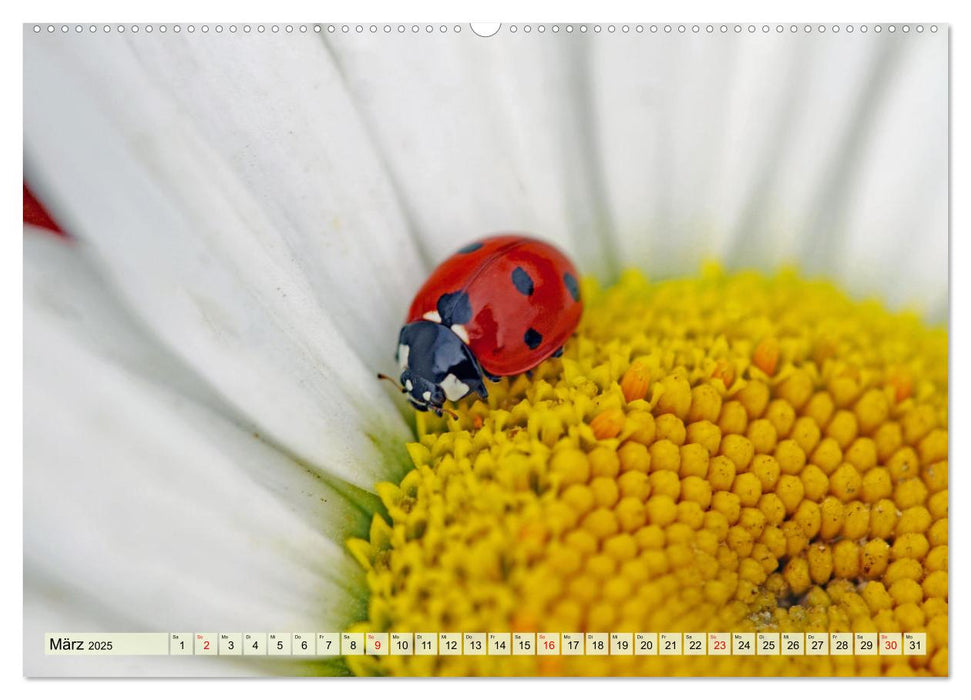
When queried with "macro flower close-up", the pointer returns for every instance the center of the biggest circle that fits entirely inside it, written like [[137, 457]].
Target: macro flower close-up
[[747, 431]]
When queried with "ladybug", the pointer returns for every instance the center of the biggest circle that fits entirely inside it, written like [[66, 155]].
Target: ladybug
[[497, 307]]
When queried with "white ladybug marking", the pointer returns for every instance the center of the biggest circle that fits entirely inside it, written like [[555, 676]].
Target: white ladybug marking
[[432, 316], [459, 330], [427, 396], [408, 385], [403, 352], [454, 388]]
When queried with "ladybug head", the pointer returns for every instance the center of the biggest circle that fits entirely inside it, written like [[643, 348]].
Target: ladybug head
[[422, 393], [436, 366]]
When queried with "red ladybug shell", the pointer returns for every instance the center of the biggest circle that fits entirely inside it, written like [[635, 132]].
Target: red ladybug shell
[[524, 298]]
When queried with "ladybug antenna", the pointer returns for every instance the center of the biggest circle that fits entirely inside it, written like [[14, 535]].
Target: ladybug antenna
[[396, 384], [453, 414]]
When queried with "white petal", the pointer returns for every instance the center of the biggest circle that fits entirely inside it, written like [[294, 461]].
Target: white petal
[[146, 505], [254, 256], [484, 135], [659, 108], [829, 151], [276, 112], [896, 229]]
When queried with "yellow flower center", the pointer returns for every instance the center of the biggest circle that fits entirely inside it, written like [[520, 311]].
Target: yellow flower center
[[725, 453]]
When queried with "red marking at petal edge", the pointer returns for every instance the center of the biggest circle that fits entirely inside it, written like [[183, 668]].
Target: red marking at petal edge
[[36, 215]]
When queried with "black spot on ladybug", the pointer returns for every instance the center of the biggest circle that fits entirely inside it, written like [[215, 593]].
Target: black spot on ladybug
[[470, 248], [454, 307], [532, 338], [571, 284], [522, 280]]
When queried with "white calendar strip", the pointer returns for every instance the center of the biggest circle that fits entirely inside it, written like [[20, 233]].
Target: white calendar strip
[[487, 644]]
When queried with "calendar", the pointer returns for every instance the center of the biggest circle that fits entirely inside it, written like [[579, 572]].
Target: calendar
[[659, 310], [332, 644]]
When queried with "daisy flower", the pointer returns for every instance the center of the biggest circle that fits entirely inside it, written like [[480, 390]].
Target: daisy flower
[[747, 433]]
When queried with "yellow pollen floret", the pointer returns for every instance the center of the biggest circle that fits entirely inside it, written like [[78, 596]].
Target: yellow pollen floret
[[723, 453]]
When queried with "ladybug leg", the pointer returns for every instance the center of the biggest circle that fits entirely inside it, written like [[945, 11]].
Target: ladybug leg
[[558, 352], [481, 390], [528, 373], [492, 377]]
